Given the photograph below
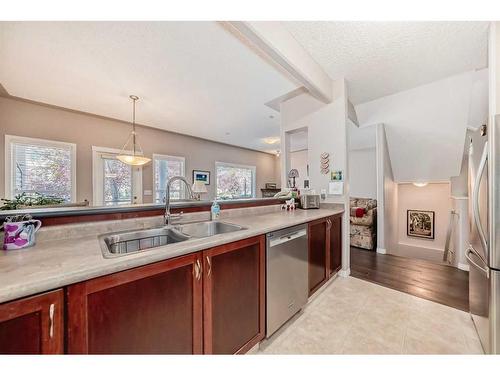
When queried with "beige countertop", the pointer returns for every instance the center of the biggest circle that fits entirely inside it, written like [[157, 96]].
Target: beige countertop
[[56, 263]]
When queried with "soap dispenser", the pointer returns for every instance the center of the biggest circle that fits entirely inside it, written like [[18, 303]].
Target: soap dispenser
[[215, 211]]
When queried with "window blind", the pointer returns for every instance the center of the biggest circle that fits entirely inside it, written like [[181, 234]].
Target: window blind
[[41, 169]]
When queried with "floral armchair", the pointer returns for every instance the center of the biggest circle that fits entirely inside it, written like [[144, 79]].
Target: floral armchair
[[363, 220]]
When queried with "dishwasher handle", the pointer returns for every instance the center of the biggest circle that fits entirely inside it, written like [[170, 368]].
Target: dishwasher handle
[[287, 237]]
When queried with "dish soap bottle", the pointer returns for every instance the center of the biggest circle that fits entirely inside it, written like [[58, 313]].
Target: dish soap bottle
[[215, 211]]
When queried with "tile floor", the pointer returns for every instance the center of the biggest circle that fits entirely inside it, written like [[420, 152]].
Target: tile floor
[[352, 316]]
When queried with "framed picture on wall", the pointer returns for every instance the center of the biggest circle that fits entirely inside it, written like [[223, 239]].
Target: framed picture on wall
[[420, 224], [203, 176]]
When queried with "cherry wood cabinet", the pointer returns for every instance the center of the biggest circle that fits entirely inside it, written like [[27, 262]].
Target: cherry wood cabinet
[[234, 296], [33, 325], [206, 302], [325, 250], [154, 309], [317, 254], [335, 244]]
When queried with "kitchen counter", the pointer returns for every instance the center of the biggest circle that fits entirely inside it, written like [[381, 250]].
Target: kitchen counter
[[56, 263]]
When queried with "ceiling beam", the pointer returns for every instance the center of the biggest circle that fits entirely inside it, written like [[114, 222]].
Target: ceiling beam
[[277, 43]]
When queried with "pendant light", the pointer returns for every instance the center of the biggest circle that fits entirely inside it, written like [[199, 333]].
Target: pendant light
[[135, 158]]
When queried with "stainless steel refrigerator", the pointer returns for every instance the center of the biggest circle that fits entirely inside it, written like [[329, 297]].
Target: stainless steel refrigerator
[[483, 253]]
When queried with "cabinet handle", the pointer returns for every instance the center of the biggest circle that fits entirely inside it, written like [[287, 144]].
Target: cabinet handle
[[197, 270], [329, 223], [209, 266], [51, 320]]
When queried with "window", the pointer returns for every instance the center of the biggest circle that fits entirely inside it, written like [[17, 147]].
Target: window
[[114, 182], [165, 167], [234, 181], [40, 166], [118, 182]]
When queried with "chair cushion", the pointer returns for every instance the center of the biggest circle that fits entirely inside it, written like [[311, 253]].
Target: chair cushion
[[366, 220], [358, 211]]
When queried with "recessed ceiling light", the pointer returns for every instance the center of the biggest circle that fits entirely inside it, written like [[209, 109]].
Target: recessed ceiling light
[[271, 140]]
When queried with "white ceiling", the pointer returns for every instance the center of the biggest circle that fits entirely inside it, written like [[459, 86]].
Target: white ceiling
[[197, 78], [194, 78], [382, 58], [426, 126]]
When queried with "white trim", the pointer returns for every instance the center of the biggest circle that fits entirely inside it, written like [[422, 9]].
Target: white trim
[[168, 158], [344, 273], [97, 177], [381, 250], [463, 267], [459, 198], [252, 167], [428, 182], [9, 139]]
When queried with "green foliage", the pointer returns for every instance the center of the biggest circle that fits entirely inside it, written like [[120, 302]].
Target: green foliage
[[23, 200]]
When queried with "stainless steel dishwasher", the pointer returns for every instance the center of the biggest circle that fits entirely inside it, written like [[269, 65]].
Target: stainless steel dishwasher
[[287, 275]]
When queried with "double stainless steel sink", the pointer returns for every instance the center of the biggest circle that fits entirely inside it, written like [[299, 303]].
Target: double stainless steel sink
[[129, 242]]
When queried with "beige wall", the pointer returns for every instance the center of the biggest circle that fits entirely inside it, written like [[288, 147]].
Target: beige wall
[[433, 197], [32, 120]]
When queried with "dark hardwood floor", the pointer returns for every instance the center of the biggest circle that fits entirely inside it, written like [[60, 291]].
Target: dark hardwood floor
[[439, 283]]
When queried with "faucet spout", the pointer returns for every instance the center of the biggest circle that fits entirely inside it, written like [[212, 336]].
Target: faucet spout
[[168, 215]]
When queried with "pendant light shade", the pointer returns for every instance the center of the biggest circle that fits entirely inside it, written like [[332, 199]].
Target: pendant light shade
[[134, 156]]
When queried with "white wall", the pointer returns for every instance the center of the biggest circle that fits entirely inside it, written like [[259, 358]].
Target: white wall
[[326, 126], [326, 132], [298, 160], [433, 197], [423, 124], [363, 173], [387, 196]]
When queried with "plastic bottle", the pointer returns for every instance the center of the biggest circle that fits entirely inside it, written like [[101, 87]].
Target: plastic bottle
[[215, 211]]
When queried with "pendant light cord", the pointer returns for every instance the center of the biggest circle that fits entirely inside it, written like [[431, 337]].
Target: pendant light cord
[[133, 126]]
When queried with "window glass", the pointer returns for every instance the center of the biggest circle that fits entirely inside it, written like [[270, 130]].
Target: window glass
[[234, 181], [117, 182], [41, 169], [166, 167]]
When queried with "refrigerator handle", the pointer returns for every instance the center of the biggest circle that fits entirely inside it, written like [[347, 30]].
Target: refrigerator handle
[[484, 269], [475, 199]]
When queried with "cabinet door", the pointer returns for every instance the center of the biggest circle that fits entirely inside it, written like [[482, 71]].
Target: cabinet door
[[335, 247], [233, 293], [154, 309], [33, 325], [317, 254]]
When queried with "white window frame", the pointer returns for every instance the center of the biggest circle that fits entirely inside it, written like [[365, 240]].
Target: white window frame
[[98, 176], [9, 159], [168, 158], [226, 164]]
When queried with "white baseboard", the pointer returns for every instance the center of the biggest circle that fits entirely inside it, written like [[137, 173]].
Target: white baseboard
[[463, 267], [381, 250], [345, 273]]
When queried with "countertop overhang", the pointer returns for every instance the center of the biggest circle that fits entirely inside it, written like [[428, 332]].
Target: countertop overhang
[[41, 212], [57, 263]]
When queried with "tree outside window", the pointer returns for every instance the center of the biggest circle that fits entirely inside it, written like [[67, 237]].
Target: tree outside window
[[117, 182], [45, 170], [166, 167], [234, 181]]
